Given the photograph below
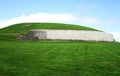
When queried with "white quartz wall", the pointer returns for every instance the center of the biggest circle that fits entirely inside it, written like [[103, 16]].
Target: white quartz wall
[[78, 35]]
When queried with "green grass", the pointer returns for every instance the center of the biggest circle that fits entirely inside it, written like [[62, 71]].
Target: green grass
[[28, 58], [55, 58], [8, 37], [25, 27]]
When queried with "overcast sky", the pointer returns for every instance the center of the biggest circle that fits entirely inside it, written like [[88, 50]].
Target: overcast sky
[[99, 14]]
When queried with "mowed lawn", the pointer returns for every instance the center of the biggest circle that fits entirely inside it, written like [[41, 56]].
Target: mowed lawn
[[47, 58]]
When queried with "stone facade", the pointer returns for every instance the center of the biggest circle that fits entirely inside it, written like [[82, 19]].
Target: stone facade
[[68, 35]]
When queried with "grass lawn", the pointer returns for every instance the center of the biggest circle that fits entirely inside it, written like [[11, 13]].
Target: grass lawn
[[46, 58]]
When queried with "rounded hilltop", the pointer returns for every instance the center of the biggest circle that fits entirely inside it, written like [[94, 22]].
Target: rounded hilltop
[[25, 27], [21, 31]]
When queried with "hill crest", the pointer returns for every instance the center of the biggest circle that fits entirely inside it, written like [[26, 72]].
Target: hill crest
[[25, 27]]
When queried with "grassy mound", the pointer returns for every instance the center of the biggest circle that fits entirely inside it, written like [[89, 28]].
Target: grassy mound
[[25, 27], [11, 32]]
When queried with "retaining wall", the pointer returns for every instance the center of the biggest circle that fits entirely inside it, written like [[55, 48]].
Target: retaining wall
[[70, 35]]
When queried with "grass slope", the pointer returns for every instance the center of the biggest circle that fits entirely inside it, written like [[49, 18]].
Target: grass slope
[[27, 58], [25, 27]]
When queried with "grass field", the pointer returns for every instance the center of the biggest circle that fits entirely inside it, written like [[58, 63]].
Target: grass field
[[55, 58], [27, 58]]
